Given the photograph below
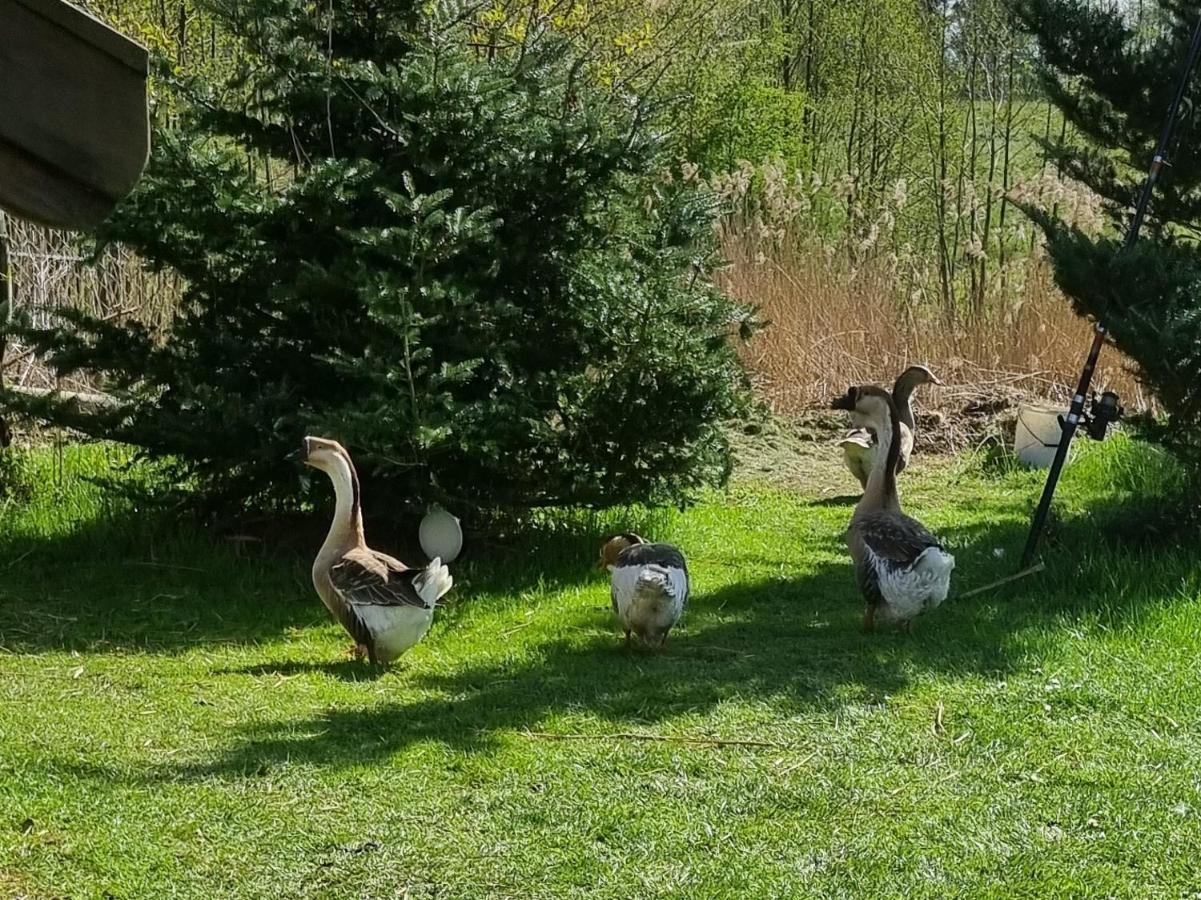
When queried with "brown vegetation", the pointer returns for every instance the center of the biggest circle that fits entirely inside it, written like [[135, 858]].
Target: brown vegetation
[[834, 324], [49, 274]]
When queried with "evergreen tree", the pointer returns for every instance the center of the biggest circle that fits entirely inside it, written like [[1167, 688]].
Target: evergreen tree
[[471, 268], [1112, 75]]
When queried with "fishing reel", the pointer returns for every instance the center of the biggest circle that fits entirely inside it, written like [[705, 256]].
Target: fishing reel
[[1104, 413]]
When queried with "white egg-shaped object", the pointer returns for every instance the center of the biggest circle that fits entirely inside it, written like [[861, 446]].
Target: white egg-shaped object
[[440, 535]]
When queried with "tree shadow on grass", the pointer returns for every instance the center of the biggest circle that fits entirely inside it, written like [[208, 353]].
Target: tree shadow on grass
[[791, 643], [128, 581], [120, 582], [350, 670], [842, 500]]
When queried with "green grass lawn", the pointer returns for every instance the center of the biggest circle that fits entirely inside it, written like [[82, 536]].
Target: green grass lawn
[[179, 719]]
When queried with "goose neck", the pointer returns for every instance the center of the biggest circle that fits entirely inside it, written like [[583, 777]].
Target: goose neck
[[346, 529], [881, 490]]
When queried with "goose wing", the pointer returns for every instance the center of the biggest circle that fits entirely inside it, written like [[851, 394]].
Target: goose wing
[[894, 537], [662, 556], [365, 578], [857, 437]]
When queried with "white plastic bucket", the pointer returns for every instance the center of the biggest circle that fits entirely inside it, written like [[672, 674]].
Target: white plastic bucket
[[1037, 435]]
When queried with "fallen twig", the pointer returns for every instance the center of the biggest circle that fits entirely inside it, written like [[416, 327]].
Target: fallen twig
[[1037, 567], [159, 565], [657, 738], [20, 558]]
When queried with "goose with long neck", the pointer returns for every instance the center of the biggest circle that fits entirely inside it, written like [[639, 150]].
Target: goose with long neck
[[900, 567], [859, 447], [382, 603]]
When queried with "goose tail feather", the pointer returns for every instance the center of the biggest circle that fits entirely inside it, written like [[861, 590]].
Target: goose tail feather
[[433, 582], [935, 565], [654, 578]]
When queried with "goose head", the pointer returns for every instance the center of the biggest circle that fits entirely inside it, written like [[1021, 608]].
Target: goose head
[[870, 406], [612, 548], [324, 454], [914, 377]]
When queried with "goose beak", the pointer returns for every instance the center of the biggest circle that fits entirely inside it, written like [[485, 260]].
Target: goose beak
[[300, 454], [934, 379]]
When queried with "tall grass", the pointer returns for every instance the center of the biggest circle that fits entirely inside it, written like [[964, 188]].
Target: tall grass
[[834, 324], [51, 271], [849, 291], [854, 294]]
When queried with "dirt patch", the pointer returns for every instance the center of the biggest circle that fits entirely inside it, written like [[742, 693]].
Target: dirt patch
[[799, 452], [796, 453]]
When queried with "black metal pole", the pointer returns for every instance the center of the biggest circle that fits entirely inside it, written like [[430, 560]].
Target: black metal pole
[[1072, 421]]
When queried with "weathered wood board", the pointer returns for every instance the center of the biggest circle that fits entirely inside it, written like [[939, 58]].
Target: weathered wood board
[[74, 130]]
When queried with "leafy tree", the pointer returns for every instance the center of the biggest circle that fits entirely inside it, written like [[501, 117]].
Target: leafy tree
[[1112, 76], [472, 268]]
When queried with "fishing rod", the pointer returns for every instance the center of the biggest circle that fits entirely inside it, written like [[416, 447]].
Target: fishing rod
[[1106, 410]]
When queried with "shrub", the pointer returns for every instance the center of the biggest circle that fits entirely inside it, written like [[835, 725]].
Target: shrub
[[1112, 76], [472, 271]]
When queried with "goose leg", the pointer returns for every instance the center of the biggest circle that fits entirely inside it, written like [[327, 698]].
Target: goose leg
[[358, 651], [627, 637], [869, 619]]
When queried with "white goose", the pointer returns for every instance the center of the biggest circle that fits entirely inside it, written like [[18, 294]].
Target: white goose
[[649, 589], [383, 604], [858, 447], [901, 568]]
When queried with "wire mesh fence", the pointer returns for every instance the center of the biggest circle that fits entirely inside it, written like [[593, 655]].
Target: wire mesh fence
[[51, 272]]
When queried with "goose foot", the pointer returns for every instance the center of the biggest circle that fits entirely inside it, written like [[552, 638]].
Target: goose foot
[[358, 652]]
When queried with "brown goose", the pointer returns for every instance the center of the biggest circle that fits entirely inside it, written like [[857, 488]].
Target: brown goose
[[858, 447], [649, 589], [384, 605], [901, 568]]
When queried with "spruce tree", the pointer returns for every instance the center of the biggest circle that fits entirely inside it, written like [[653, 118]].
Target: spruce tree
[[1112, 76], [473, 267]]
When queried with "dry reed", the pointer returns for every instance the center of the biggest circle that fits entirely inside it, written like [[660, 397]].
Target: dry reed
[[50, 274], [833, 325]]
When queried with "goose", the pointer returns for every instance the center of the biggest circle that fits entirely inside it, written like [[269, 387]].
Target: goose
[[384, 605], [901, 568], [649, 588], [858, 446]]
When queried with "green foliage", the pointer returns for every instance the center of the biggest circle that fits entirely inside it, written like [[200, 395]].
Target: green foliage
[[736, 118], [737, 107], [1113, 78], [181, 720], [15, 482], [471, 271]]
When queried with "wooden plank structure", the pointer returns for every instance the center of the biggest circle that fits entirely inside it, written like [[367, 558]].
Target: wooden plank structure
[[74, 130]]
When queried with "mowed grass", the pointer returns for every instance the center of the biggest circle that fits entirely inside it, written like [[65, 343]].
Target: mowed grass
[[178, 718]]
